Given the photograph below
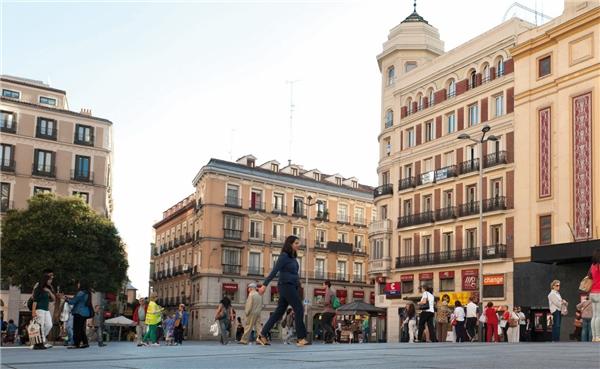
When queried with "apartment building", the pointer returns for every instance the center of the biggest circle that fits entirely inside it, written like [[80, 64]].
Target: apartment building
[[45, 147], [557, 111], [242, 213], [429, 196]]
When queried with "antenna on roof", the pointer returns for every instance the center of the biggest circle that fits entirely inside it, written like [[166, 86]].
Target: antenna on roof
[[543, 17], [292, 106]]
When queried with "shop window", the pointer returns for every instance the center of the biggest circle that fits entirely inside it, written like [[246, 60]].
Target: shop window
[[447, 284], [408, 286]]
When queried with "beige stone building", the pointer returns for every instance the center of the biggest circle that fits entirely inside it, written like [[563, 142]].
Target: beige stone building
[[428, 210], [45, 147], [557, 143], [233, 229]]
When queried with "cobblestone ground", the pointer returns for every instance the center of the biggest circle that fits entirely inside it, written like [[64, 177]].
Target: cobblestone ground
[[392, 355]]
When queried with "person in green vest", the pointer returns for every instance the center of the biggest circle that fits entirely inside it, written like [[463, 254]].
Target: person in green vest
[[366, 329], [153, 319]]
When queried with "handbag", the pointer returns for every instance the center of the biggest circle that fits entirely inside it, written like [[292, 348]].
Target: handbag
[[564, 308], [34, 331], [586, 284], [454, 322], [483, 319], [214, 329]]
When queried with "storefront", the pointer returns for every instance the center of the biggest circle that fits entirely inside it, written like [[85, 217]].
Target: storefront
[[230, 290], [358, 295], [350, 321], [426, 279]]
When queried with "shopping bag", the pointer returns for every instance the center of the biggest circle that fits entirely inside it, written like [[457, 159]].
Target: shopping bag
[[214, 329], [34, 331], [586, 284]]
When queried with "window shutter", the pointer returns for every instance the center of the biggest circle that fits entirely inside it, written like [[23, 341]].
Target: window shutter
[[414, 106], [425, 102], [440, 95], [461, 87], [492, 73], [418, 135], [461, 119], [478, 79], [484, 110], [509, 66], [510, 100], [438, 127], [403, 112]]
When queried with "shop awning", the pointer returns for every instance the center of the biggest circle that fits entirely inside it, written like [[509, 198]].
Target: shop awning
[[360, 308], [564, 253]]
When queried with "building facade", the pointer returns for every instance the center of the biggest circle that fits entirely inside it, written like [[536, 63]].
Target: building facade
[[242, 214], [47, 148], [428, 208], [557, 140]]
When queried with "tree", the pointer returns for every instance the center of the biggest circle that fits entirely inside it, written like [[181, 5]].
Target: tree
[[66, 235]]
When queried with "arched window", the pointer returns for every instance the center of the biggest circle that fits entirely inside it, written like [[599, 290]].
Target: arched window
[[409, 105], [451, 88], [500, 67], [486, 73], [389, 118], [431, 101], [472, 79], [391, 75], [420, 104]]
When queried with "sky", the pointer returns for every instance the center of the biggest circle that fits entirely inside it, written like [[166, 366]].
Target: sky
[[186, 81]]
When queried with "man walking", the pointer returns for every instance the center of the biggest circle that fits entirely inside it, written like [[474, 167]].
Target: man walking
[[181, 321], [139, 318], [253, 310], [328, 314], [471, 319]]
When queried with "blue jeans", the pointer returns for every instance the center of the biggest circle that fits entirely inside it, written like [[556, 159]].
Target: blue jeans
[[586, 330], [556, 317], [289, 295]]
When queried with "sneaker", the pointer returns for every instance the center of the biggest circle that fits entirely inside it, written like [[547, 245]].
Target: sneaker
[[302, 342], [47, 345], [84, 346], [39, 347], [155, 344], [242, 342], [262, 340]]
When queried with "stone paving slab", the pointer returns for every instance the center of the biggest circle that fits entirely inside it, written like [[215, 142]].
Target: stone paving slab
[[390, 355]]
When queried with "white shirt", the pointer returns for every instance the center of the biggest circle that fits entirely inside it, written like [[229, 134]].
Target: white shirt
[[522, 319], [471, 310], [554, 301], [430, 299], [459, 314]]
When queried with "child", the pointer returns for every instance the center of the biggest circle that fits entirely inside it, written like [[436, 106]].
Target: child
[[169, 329]]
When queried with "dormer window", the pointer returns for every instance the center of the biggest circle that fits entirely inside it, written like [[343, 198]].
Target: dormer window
[[294, 171], [251, 163], [354, 184], [317, 176], [274, 167], [338, 181]]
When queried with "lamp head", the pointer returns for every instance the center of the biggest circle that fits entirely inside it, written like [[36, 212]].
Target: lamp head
[[492, 138], [463, 136], [485, 129]]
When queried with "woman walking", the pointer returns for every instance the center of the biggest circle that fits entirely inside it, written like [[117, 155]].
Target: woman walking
[[411, 317], [555, 301], [441, 319], [42, 294], [289, 285], [222, 316], [594, 273], [513, 325], [491, 325], [459, 318], [82, 310], [153, 319]]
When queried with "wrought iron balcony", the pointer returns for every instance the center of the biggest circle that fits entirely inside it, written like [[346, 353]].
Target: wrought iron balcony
[[448, 212], [257, 206], [299, 211], [468, 166], [495, 203], [469, 208], [343, 247], [452, 256], [415, 219], [8, 165], [278, 239], [45, 135], [231, 269], [232, 234], [341, 277], [406, 183], [385, 189], [6, 205], [497, 158], [233, 202], [322, 215], [279, 209], [359, 278], [43, 170]]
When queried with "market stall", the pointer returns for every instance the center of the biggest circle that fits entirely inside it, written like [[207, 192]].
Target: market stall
[[351, 321]]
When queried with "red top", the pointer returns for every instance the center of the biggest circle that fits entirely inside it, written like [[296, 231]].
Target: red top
[[595, 271], [491, 316]]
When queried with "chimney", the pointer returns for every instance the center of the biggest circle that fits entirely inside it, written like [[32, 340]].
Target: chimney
[[86, 111]]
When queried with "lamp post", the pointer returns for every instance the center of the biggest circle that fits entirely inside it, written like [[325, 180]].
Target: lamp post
[[308, 205], [484, 130]]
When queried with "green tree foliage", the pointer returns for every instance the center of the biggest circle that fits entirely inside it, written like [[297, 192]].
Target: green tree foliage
[[67, 236]]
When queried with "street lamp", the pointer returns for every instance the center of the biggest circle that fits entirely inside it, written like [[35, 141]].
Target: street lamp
[[463, 136], [308, 205]]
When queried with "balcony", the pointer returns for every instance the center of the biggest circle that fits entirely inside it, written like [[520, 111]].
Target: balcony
[[232, 234], [320, 244], [82, 176], [342, 277], [299, 211], [8, 126], [322, 215], [359, 278], [277, 239], [359, 250], [231, 269], [257, 206], [258, 271], [343, 219], [469, 208], [495, 203], [87, 141], [256, 237], [446, 172], [8, 165], [452, 256], [380, 226], [415, 219], [468, 166], [385, 189], [279, 209], [319, 274], [448, 212], [43, 170], [361, 222], [406, 183], [497, 158], [379, 266], [342, 247], [233, 202]]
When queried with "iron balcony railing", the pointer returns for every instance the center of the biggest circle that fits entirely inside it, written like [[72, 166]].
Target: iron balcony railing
[[277, 239], [232, 234], [343, 247], [82, 176], [8, 165], [359, 278], [452, 256], [341, 277], [448, 212], [252, 270], [320, 244], [43, 170], [256, 236], [385, 189], [497, 158], [495, 203], [233, 201], [406, 183], [468, 166], [6, 205], [279, 209], [231, 269], [343, 219], [469, 208], [257, 206], [415, 219]]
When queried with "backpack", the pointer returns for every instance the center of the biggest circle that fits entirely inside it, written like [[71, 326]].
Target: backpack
[[335, 302]]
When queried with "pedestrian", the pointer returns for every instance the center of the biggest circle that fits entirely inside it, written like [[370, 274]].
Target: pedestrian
[[471, 319], [153, 319], [504, 315], [66, 323], [139, 320], [328, 313], [594, 274], [222, 315], [410, 324], [366, 328], [427, 314], [587, 313], [11, 330], [459, 322], [522, 325], [442, 317], [491, 325], [253, 308], [239, 332], [169, 330], [289, 291], [181, 322], [513, 325], [288, 321], [577, 325], [555, 301], [99, 325], [81, 310], [42, 294]]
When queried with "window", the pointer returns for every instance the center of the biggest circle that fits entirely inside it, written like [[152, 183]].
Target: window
[[298, 206], [274, 258], [451, 88], [446, 283], [37, 190], [338, 181], [4, 196], [471, 238], [47, 100], [407, 207], [500, 68], [6, 157], [388, 145], [44, 163], [496, 234], [407, 247], [359, 215], [232, 226], [10, 94], [320, 269], [408, 66], [473, 79], [447, 198], [448, 158], [391, 76], [278, 232], [278, 201], [82, 168], [294, 171], [85, 196], [358, 271], [431, 97], [486, 73], [451, 122], [426, 247], [231, 260], [359, 240], [354, 184], [383, 212], [385, 178], [420, 103], [8, 122], [341, 271], [408, 171], [84, 135], [275, 167], [427, 203], [342, 214], [254, 263], [317, 176], [321, 238], [377, 252], [408, 286], [473, 114], [427, 165], [410, 137], [498, 105], [256, 230], [256, 200], [544, 66], [471, 193], [46, 128], [429, 131], [545, 229], [447, 243], [233, 196], [342, 237], [298, 232], [322, 209], [389, 119], [496, 188]]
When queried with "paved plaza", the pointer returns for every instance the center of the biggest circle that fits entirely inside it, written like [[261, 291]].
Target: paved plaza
[[393, 355]]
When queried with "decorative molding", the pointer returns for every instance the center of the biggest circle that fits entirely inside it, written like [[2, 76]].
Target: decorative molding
[[545, 152], [582, 166]]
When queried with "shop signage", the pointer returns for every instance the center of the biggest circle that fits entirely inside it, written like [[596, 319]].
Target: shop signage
[[372, 298], [358, 294], [493, 280], [319, 292], [441, 174], [447, 275], [393, 289], [427, 177], [407, 277], [470, 279], [230, 287], [425, 276]]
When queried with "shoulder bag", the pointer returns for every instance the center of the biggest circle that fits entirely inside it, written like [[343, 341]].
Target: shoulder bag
[[586, 284]]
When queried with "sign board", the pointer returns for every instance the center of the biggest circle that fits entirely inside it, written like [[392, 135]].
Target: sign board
[[470, 279], [447, 275], [393, 289], [407, 277], [426, 276], [441, 174], [493, 280], [306, 302], [427, 177]]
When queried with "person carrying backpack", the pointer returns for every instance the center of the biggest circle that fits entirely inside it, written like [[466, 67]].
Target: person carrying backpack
[[328, 313], [82, 310], [222, 316]]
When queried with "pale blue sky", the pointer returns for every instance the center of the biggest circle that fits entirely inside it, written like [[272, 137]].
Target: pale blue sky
[[176, 78]]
